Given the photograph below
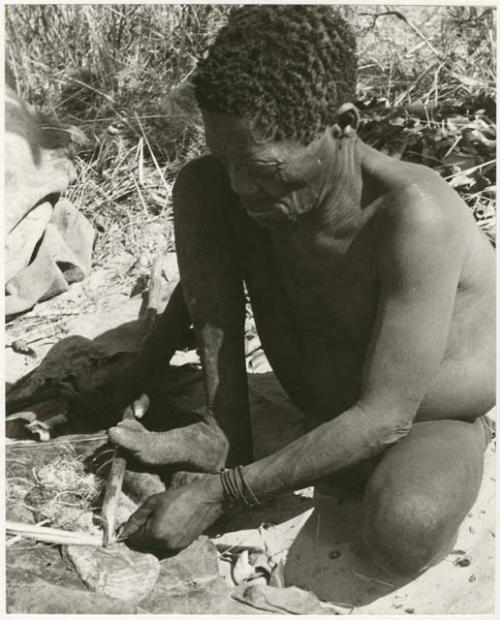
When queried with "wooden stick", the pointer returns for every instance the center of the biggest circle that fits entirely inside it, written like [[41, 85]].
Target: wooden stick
[[113, 488], [154, 297], [51, 534], [13, 541]]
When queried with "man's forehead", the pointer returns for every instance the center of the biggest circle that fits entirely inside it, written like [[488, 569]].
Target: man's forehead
[[231, 135], [226, 127]]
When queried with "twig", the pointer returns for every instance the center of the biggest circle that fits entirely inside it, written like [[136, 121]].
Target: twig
[[159, 170], [103, 465], [140, 164], [388, 584], [469, 170], [52, 535], [317, 526], [412, 26], [141, 197], [16, 539], [46, 444], [452, 147]]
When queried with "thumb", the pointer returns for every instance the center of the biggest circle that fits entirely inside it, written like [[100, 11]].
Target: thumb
[[138, 519], [141, 405]]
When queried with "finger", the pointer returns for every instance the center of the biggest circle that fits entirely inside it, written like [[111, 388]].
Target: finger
[[138, 519], [142, 540], [101, 453]]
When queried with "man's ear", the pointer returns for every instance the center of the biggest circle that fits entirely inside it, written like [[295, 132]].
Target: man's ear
[[348, 115]]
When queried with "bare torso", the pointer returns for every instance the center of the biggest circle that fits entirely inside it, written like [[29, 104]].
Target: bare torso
[[331, 286]]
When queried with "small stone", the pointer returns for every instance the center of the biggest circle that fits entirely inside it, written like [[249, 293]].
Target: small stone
[[409, 610], [472, 578], [26, 593], [21, 346], [194, 565], [117, 571], [462, 562], [333, 555], [99, 223], [266, 525], [190, 580]]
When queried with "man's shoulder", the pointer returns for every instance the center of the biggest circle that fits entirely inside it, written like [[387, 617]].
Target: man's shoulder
[[422, 204], [420, 220]]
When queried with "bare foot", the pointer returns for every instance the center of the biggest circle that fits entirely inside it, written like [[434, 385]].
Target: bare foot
[[199, 446]]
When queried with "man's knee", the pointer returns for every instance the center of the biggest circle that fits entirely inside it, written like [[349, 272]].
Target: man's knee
[[407, 534]]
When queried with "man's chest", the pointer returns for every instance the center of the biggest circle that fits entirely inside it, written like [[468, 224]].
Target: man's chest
[[331, 286]]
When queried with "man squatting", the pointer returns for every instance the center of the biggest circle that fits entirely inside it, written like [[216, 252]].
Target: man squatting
[[373, 292]]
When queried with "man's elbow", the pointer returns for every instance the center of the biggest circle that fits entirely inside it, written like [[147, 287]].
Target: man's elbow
[[385, 429], [391, 430]]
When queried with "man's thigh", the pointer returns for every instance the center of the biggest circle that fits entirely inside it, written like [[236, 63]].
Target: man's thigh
[[421, 490]]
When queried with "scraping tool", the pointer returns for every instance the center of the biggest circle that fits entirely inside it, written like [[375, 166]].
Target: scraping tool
[[113, 488]]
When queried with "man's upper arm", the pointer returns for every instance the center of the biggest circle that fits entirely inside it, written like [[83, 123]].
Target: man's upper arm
[[418, 266]]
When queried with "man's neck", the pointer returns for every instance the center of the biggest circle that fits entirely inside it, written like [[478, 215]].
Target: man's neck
[[338, 190], [354, 178]]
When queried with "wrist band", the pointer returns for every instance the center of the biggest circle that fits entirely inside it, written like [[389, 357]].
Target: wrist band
[[253, 499], [236, 490]]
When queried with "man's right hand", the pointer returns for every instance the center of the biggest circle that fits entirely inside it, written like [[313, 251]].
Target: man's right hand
[[171, 520]]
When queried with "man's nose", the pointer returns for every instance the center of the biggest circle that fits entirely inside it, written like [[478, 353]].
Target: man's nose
[[241, 182]]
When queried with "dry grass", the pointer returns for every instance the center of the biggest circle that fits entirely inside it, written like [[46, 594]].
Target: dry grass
[[57, 489], [118, 73], [428, 94]]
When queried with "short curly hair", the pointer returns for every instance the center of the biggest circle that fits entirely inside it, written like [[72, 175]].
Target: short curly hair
[[286, 69]]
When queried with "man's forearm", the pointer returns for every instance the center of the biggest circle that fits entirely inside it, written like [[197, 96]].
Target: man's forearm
[[348, 439], [223, 358]]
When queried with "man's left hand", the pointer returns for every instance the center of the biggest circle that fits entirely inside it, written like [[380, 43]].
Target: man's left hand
[[171, 520]]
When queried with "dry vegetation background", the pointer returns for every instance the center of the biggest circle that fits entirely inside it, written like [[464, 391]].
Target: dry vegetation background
[[116, 72]]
